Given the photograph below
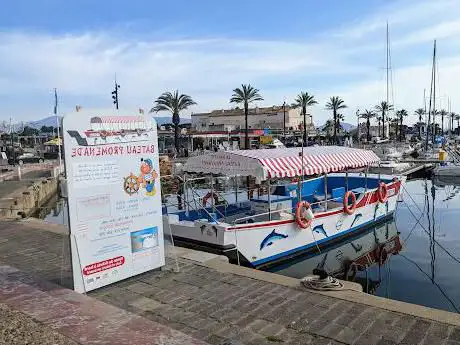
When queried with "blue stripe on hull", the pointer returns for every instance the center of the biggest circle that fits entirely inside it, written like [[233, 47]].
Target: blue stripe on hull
[[327, 239]]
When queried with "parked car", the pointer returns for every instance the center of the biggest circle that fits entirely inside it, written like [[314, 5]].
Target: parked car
[[28, 158]]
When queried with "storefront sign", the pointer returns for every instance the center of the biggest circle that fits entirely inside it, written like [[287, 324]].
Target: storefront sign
[[114, 197]]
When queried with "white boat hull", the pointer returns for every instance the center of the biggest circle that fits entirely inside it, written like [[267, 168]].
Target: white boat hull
[[264, 243]]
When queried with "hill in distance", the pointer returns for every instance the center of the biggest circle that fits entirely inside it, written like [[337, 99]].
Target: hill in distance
[[52, 120]]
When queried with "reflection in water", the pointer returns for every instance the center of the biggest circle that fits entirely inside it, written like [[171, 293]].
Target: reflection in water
[[352, 259], [420, 260], [55, 211]]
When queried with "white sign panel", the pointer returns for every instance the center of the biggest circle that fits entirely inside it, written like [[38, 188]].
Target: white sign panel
[[114, 193]]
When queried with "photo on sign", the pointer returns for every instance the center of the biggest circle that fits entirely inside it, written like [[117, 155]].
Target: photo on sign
[[145, 180], [144, 239], [105, 130]]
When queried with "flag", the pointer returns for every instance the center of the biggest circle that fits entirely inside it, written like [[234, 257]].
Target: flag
[[77, 108], [141, 111]]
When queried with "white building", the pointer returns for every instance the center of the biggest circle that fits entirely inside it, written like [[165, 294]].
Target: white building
[[258, 118]]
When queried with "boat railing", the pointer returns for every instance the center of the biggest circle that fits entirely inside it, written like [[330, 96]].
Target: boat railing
[[186, 202], [288, 211]]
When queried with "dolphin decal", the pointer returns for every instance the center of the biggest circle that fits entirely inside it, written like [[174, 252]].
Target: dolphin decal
[[356, 247], [319, 229], [271, 237], [202, 228], [357, 216]]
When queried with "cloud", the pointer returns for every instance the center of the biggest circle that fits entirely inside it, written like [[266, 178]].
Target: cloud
[[346, 61]]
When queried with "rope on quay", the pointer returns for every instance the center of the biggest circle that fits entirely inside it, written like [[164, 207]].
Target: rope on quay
[[322, 284]]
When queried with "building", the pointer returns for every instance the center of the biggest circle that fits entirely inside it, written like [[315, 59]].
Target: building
[[258, 118]]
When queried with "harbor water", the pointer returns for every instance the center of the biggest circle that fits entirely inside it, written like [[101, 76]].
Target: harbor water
[[422, 249]]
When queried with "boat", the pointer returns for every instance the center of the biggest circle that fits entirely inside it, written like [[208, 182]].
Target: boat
[[311, 199], [451, 170], [390, 166], [106, 130], [393, 153]]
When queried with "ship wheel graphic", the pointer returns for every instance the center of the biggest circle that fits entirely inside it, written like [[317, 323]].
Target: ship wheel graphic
[[131, 184]]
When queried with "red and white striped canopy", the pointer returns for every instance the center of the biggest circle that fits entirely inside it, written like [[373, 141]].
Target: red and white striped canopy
[[117, 119], [279, 163]]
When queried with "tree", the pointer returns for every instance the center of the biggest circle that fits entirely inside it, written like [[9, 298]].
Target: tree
[[29, 131], [443, 113], [400, 115], [452, 118], [246, 95], [383, 108], [304, 100], [335, 103], [379, 120], [457, 117], [174, 103], [368, 115], [393, 123], [420, 112], [328, 127], [340, 117]]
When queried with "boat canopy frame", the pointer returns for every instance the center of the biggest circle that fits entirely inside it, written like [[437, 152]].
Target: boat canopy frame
[[267, 164]]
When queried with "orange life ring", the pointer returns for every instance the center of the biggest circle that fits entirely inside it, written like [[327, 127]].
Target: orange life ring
[[300, 219], [382, 192], [349, 209], [209, 196]]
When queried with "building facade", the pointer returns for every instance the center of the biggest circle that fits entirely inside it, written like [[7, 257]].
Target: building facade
[[258, 118]]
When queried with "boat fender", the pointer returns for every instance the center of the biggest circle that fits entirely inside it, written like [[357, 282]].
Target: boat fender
[[209, 196], [303, 214], [382, 192], [347, 208]]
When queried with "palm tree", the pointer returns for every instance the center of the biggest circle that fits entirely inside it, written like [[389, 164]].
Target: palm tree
[[245, 95], [174, 103], [340, 117], [379, 119], [335, 103], [328, 126], [393, 123], [457, 117], [383, 108], [304, 100], [420, 112], [443, 113], [368, 115], [452, 116], [400, 115]]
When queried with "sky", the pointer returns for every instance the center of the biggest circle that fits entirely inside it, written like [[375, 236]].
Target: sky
[[207, 48]]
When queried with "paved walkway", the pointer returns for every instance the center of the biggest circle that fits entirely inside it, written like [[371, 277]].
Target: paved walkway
[[207, 301]]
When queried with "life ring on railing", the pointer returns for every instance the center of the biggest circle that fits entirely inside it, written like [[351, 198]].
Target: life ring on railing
[[382, 192], [303, 214], [349, 209], [209, 196]]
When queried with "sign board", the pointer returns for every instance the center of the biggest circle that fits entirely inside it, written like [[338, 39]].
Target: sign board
[[266, 139], [114, 197]]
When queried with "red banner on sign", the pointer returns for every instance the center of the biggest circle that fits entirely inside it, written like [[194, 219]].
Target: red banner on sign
[[103, 265]]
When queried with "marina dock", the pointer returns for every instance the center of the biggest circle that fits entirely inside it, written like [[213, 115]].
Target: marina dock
[[200, 299]]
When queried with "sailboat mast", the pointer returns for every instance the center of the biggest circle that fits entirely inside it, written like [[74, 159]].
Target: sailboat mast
[[434, 91], [388, 79], [431, 93]]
